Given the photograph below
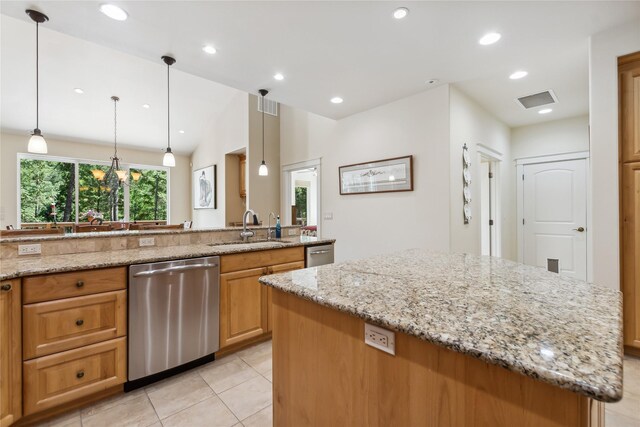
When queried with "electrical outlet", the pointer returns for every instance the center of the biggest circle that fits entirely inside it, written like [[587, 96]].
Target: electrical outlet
[[29, 249], [328, 215], [147, 241], [292, 232], [379, 338]]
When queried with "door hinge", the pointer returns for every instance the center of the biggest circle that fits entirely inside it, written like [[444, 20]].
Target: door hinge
[[522, 221], [490, 175], [523, 177], [490, 222]]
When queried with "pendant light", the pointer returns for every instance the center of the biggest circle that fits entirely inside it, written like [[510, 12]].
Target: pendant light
[[263, 170], [37, 144], [115, 161], [168, 159]]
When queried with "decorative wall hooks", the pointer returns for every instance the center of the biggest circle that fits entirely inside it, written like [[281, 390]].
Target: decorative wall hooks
[[466, 180]]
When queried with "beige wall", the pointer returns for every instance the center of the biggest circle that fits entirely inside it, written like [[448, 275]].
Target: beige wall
[[228, 134], [369, 224], [549, 138], [11, 145], [473, 125], [263, 193], [604, 49]]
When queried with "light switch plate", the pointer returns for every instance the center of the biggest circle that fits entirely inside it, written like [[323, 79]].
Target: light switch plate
[[147, 241], [328, 215], [34, 249], [380, 338]]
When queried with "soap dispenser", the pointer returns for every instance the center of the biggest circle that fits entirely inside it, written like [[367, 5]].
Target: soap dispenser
[[278, 228]]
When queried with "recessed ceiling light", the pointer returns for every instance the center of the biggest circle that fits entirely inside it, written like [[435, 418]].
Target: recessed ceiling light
[[78, 90], [147, 106], [400, 13], [278, 76], [209, 49], [180, 131], [337, 100], [114, 12], [489, 38], [518, 75], [545, 111]]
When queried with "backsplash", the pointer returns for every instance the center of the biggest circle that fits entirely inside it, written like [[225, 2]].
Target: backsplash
[[103, 242]]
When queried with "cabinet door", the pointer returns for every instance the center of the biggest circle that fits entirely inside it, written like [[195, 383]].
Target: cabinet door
[[630, 223], [10, 353], [243, 306], [274, 269], [629, 79]]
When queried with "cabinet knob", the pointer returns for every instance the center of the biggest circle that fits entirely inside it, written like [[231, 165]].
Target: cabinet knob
[[6, 287], [80, 284], [80, 374], [79, 322]]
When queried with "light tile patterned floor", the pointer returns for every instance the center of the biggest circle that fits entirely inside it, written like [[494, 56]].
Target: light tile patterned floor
[[236, 391], [232, 391]]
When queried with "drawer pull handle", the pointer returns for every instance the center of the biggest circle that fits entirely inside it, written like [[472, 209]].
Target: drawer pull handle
[[80, 284], [80, 374], [79, 322], [6, 287]]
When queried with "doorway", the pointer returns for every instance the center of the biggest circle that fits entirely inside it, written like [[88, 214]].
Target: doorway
[[552, 211], [488, 206], [302, 196]]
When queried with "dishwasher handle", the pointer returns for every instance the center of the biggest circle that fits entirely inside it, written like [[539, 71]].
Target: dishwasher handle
[[178, 268], [325, 251]]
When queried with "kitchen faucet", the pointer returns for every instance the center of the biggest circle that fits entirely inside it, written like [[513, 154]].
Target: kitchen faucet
[[271, 214], [245, 234]]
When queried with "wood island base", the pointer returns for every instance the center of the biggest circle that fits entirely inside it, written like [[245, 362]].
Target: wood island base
[[325, 375]]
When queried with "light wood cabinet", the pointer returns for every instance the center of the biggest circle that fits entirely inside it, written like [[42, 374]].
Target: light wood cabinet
[[629, 81], [245, 304], [66, 285], [243, 313], [243, 175], [63, 377], [54, 326], [10, 353]]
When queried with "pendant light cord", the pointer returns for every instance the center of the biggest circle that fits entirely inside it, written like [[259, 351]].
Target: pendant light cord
[[115, 128], [37, 76], [262, 128], [168, 111]]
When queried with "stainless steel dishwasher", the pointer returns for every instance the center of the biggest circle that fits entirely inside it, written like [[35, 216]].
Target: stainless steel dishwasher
[[173, 316], [319, 255]]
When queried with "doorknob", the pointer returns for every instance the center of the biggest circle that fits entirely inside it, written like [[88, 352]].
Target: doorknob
[[580, 229]]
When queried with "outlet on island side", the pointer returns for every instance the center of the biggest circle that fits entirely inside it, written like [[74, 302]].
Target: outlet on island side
[[380, 338], [34, 249]]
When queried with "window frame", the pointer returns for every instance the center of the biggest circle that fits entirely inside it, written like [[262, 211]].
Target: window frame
[[76, 162]]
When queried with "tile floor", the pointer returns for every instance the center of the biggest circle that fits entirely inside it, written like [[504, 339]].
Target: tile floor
[[236, 391], [232, 391]]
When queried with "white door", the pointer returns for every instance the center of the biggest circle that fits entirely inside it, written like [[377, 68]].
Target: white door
[[555, 217]]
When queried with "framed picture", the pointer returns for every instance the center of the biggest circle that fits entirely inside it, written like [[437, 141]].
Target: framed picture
[[205, 194], [379, 176]]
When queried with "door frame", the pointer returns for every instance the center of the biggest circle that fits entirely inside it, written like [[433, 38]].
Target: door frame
[[495, 159], [520, 164], [286, 189]]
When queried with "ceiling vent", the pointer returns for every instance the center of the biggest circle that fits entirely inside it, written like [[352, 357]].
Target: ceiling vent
[[271, 106], [537, 100]]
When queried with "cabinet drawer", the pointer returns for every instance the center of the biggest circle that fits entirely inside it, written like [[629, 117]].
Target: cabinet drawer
[[52, 380], [54, 326], [65, 285], [245, 261]]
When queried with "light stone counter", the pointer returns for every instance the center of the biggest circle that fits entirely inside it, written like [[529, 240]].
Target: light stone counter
[[33, 265], [555, 329]]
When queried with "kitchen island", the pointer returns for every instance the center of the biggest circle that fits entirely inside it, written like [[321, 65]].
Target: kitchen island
[[479, 341]]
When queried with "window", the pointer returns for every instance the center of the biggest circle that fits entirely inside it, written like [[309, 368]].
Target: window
[[43, 184], [45, 180]]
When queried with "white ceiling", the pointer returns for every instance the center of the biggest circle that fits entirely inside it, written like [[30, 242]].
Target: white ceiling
[[355, 50], [68, 62]]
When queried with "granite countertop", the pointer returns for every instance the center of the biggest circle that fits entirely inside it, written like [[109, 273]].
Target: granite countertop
[[558, 330], [33, 265]]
